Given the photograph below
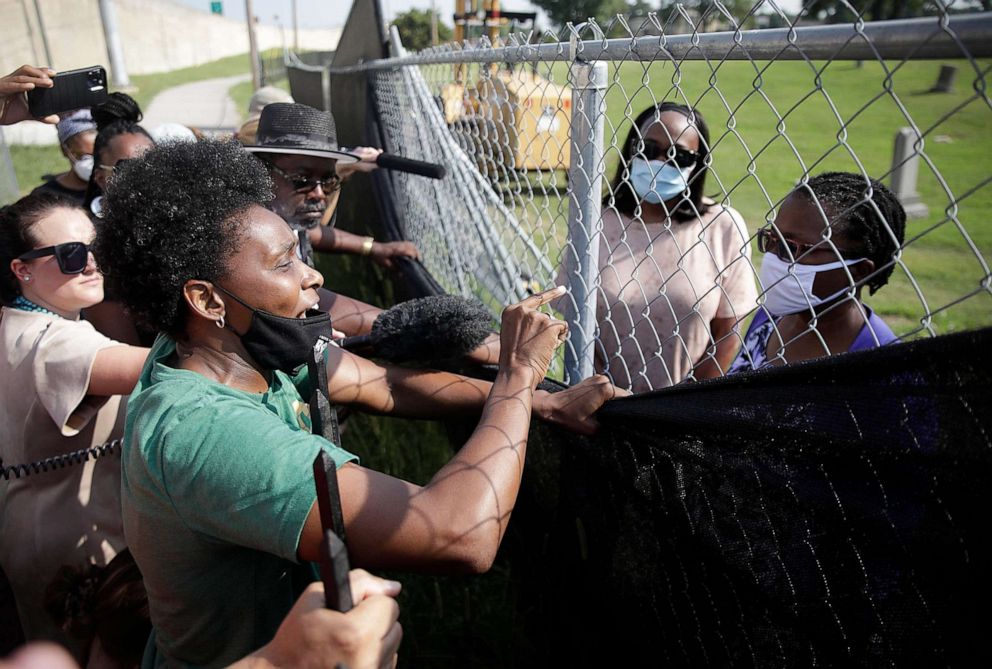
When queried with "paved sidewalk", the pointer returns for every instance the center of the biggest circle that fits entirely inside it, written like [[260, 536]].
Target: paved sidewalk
[[201, 104]]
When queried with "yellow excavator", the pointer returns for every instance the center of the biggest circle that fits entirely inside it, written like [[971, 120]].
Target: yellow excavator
[[517, 117]]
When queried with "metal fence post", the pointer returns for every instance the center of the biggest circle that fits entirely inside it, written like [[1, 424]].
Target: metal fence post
[[585, 179]]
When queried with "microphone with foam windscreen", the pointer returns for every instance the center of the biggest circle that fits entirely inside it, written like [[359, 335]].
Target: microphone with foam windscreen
[[390, 161], [435, 328]]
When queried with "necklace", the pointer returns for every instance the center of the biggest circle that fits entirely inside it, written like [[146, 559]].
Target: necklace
[[24, 304]]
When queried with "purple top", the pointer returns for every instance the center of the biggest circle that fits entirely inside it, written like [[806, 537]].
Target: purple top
[[752, 353]]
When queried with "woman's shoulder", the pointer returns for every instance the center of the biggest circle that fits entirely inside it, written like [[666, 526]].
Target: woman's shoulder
[[720, 212], [27, 331], [723, 221]]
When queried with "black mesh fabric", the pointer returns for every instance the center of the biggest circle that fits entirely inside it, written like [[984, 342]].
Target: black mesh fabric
[[823, 514]]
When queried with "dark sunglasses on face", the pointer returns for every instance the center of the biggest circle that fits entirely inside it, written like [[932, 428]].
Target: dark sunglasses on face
[[304, 184], [676, 154], [771, 241], [72, 257]]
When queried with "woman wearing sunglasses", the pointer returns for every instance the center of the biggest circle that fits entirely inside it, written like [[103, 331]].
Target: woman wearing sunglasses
[[62, 391], [833, 235], [674, 272]]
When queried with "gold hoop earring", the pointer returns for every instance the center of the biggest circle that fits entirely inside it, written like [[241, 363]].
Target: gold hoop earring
[[220, 323]]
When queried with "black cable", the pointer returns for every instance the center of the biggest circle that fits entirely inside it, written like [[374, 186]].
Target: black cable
[[60, 461]]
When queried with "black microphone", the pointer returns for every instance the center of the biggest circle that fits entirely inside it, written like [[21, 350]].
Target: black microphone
[[390, 161], [439, 327]]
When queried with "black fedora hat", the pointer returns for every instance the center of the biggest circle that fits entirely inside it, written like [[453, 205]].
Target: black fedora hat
[[296, 129]]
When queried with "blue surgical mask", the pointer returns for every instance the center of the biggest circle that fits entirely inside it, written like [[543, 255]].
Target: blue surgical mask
[[657, 181]]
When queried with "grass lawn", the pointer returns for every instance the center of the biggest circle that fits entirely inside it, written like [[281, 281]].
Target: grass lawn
[[32, 162], [771, 123]]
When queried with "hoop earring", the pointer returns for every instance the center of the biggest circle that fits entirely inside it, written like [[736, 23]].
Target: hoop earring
[[220, 324]]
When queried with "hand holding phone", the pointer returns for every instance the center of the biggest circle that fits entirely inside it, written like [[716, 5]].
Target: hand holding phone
[[70, 90], [13, 90]]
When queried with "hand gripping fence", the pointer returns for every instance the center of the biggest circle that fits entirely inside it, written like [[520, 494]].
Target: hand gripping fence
[[533, 128]]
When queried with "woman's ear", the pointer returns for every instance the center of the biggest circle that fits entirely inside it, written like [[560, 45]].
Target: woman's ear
[[100, 177], [202, 299], [861, 270], [20, 269]]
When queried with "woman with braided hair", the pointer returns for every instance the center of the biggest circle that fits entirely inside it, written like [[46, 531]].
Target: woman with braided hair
[[62, 391], [119, 138], [833, 234]]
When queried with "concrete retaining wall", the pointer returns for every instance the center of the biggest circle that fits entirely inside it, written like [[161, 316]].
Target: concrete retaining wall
[[158, 35]]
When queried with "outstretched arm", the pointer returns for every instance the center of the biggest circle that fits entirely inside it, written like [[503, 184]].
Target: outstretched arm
[[400, 391], [116, 369], [350, 316], [333, 240], [457, 520]]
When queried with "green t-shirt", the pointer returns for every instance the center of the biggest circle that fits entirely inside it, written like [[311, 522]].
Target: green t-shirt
[[216, 487]]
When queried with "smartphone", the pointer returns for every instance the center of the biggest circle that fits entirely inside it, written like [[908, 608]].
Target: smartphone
[[73, 90]]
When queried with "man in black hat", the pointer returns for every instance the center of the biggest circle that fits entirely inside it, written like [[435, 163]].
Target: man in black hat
[[299, 145]]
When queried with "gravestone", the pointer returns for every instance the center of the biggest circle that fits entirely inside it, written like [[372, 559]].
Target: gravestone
[[905, 169], [945, 80]]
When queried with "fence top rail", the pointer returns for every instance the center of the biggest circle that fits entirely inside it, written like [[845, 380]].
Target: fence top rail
[[946, 36]]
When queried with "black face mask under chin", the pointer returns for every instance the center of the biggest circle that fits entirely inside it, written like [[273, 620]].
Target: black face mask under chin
[[280, 343]]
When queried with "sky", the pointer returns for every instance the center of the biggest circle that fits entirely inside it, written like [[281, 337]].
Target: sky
[[327, 13]]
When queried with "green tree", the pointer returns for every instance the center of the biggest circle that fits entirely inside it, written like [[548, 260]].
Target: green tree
[[578, 11], [739, 9], [838, 11], [415, 29]]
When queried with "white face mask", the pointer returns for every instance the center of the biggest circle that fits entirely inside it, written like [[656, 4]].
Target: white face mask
[[83, 167], [789, 286], [658, 181]]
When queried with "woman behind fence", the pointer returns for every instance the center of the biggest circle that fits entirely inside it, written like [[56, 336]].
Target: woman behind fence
[[62, 391], [674, 275], [834, 234]]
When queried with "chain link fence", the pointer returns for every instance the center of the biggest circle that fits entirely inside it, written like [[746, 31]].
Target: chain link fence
[[820, 514], [543, 136]]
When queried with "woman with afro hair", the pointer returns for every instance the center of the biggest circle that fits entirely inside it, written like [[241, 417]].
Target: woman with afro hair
[[217, 485], [834, 234]]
